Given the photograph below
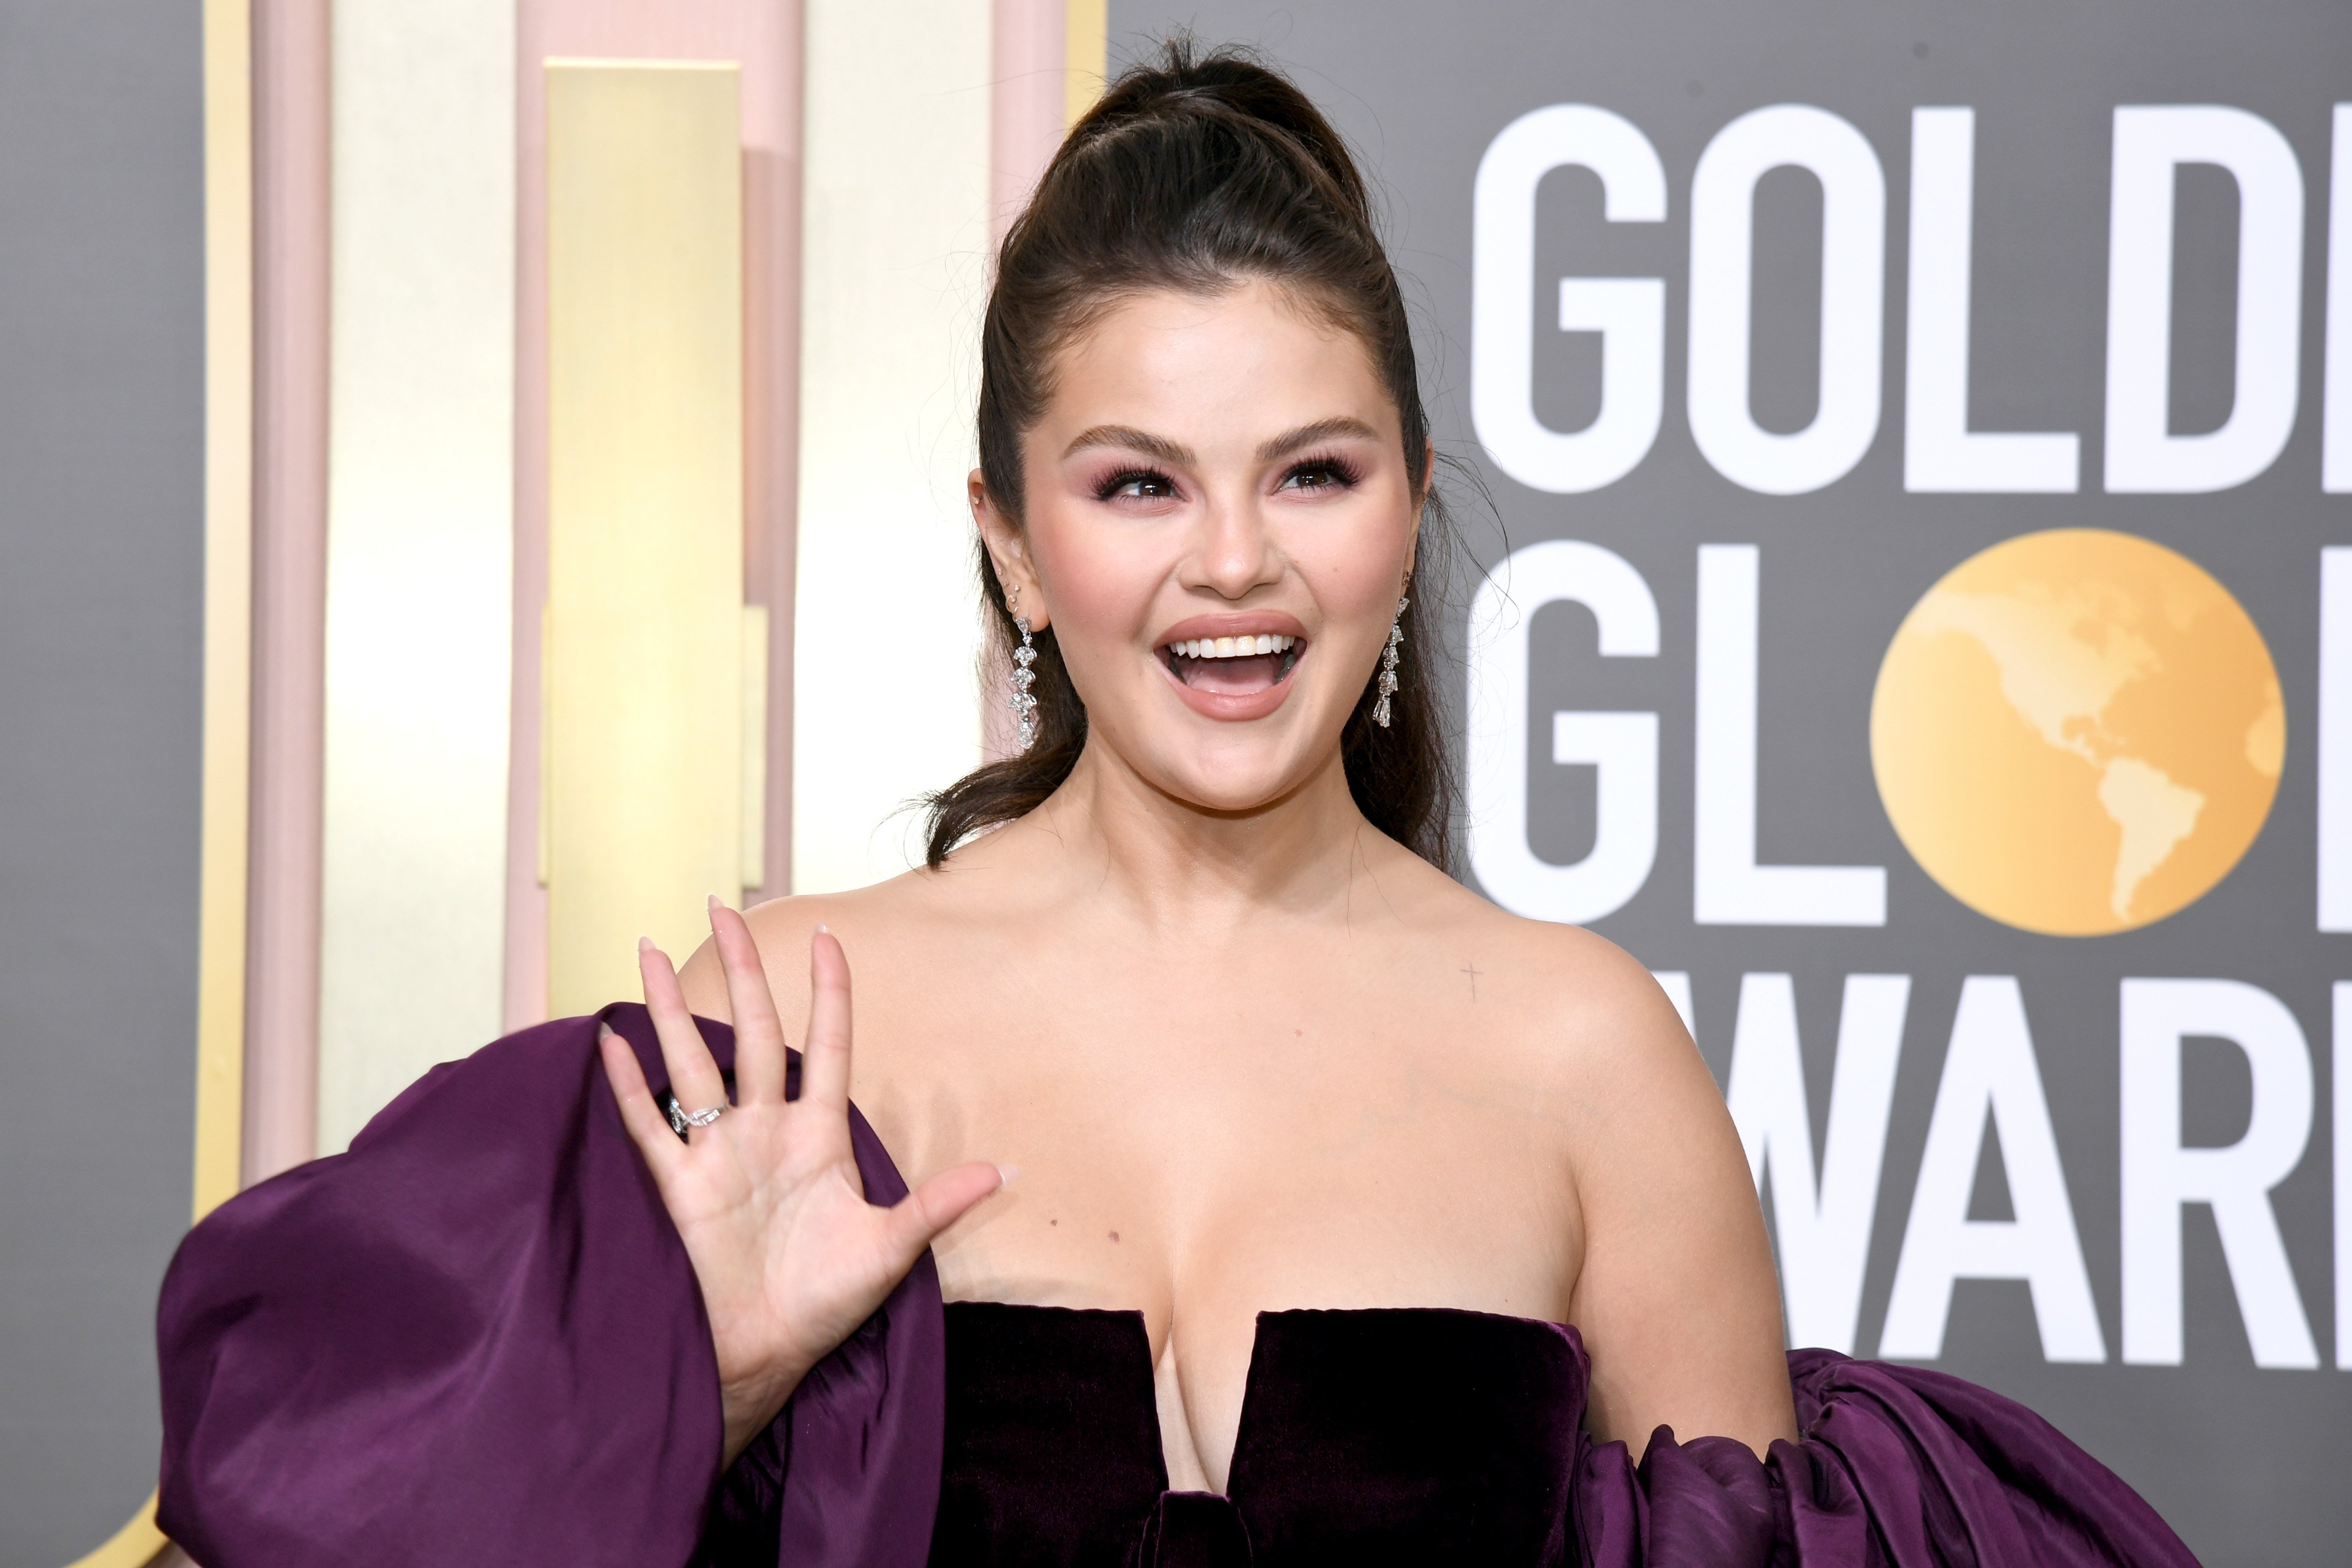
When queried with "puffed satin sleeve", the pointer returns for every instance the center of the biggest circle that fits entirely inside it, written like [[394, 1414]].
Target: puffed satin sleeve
[[476, 1338], [1899, 1467]]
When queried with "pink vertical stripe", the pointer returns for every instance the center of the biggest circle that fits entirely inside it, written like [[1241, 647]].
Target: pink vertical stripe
[[1024, 120], [291, 157], [764, 38]]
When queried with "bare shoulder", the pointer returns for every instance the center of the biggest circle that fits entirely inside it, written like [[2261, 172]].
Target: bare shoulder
[[867, 919], [1595, 1006]]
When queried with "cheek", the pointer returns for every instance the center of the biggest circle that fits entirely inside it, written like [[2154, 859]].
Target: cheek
[[1356, 564], [1100, 587]]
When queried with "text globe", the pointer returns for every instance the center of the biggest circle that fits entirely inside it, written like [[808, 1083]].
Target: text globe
[[2077, 732]]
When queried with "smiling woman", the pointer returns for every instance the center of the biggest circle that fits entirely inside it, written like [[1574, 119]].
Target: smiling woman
[[1200, 233], [1357, 1220]]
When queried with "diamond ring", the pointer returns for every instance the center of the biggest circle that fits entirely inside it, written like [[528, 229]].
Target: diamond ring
[[680, 1119]]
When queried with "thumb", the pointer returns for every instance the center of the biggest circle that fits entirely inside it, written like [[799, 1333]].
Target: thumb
[[916, 1220]]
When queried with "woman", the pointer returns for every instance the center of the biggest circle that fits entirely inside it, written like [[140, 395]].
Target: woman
[[1329, 1172]]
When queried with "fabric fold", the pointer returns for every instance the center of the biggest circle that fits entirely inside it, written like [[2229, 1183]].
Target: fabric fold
[[476, 1337], [1899, 1466]]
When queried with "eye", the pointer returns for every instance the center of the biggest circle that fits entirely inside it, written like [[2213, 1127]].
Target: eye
[[1137, 483], [1317, 475]]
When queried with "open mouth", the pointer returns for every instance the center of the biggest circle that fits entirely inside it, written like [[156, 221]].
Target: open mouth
[[1234, 666]]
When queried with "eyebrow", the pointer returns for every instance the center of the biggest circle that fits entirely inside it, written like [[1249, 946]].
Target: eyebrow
[[1177, 455], [1172, 452], [1322, 430]]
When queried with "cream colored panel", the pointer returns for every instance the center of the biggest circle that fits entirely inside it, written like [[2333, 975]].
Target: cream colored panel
[[1087, 39], [646, 702], [420, 546], [228, 598], [894, 273]]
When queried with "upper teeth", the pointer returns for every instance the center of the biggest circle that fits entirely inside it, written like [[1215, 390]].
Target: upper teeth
[[1232, 647]]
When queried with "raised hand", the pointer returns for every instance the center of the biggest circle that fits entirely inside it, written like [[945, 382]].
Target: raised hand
[[790, 1255]]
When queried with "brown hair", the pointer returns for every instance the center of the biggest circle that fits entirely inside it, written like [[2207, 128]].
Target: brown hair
[[1196, 173]]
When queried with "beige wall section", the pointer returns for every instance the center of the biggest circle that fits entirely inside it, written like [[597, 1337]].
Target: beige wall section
[[645, 704], [1086, 35], [894, 273], [764, 38], [420, 546]]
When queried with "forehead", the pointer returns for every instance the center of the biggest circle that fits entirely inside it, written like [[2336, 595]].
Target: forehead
[[1251, 355]]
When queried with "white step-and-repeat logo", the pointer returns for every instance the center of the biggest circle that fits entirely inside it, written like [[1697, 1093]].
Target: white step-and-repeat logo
[[2074, 732]]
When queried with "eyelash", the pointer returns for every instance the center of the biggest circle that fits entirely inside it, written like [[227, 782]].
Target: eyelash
[[1335, 470], [1338, 471], [1120, 481]]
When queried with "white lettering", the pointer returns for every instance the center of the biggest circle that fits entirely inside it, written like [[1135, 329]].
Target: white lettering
[[1622, 746], [2335, 739], [1728, 888], [2335, 457], [2159, 1175], [2342, 1078], [2150, 143], [1854, 262], [1990, 1068], [1939, 451], [1630, 313], [1822, 1227]]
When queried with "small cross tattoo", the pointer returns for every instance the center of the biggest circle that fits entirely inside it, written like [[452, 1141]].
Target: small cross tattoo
[[1474, 972]]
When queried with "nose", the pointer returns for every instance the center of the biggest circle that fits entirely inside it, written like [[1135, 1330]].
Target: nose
[[1237, 552]]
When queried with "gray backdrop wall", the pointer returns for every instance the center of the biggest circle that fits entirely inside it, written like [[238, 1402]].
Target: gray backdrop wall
[[101, 558], [1838, 454]]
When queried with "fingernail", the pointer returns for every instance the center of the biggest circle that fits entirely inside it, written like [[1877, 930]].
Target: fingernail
[[645, 943], [710, 901], [820, 925], [603, 1033], [1004, 1174]]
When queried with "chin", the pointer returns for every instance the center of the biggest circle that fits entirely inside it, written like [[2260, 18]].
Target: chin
[[1232, 786]]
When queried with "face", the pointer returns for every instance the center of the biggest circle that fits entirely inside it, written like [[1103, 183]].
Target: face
[[1219, 525]]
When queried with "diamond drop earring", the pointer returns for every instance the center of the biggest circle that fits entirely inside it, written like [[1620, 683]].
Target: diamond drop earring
[[1388, 666], [1023, 705]]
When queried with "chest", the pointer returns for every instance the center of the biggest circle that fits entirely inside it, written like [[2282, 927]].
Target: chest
[[1203, 1153]]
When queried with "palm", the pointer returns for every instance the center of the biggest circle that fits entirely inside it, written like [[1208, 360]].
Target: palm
[[790, 1255]]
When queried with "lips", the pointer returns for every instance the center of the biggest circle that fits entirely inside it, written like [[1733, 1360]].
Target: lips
[[1233, 666]]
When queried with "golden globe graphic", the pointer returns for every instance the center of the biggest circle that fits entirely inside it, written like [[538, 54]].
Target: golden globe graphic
[[2077, 732]]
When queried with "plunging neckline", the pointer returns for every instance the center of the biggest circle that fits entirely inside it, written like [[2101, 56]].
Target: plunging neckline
[[1367, 1436], [1252, 1394]]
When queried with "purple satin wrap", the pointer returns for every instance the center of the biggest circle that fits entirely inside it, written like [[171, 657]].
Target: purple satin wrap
[[477, 1338], [1899, 1467]]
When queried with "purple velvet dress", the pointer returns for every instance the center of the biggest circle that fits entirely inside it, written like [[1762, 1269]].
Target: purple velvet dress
[[476, 1338]]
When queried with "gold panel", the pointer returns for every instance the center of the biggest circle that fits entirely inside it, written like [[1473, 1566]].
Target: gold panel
[[645, 704], [1086, 45]]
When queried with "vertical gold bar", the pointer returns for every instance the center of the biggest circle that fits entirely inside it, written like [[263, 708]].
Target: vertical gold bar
[[645, 513], [1086, 43], [228, 596]]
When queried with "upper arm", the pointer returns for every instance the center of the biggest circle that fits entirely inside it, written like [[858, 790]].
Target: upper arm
[[1678, 1299]]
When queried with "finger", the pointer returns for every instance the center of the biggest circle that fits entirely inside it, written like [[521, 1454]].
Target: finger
[[693, 1075], [649, 1128], [825, 1054], [758, 1033], [916, 1220]]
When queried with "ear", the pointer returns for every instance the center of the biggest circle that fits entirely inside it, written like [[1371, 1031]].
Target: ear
[[1419, 507], [1008, 552]]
